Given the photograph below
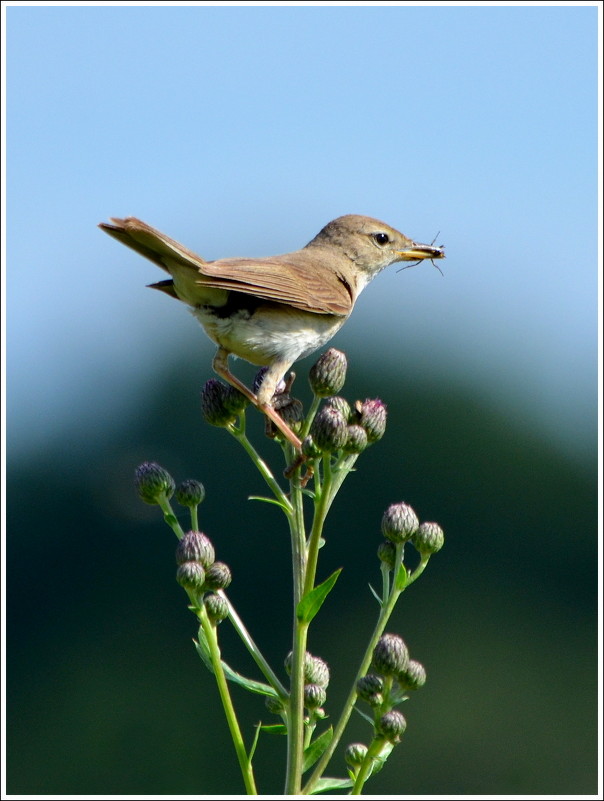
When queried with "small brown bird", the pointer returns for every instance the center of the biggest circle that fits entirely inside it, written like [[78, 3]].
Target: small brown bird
[[273, 311]]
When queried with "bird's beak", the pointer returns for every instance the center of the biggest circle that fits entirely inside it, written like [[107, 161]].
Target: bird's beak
[[417, 252]]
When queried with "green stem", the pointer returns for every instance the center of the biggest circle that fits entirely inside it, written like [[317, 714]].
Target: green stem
[[372, 754], [264, 470], [244, 763], [194, 519], [255, 652], [169, 516], [383, 618]]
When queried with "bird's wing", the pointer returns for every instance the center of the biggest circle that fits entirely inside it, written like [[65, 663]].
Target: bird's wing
[[302, 281]]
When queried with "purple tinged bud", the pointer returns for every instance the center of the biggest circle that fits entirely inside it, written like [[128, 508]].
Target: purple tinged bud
[[428, 539], [369, 689], [342, 405], [316, 670], [215, 398], [372, 416], [152, 481], [195, 547], [328, 374], [218, 576], [413, 676], [355, 754], [356, 440], [190, 493], [399, 522], [329, 430], [390, 655], [191, 576], [387, 553], [314, 696], [216, 608], [391, 726]]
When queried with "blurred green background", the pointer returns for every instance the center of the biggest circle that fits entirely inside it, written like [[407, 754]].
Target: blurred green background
[[242, 131]]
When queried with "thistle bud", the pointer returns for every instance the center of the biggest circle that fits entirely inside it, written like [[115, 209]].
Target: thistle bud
[[190, 493], [356, 440], [234, 400], [218, 576], [195, 547], [429, 538], [391, 726], [328, 374], [216, 608], [387, 553], [342, 405], [413, 676], [316, 670], [399, 522], [329, 430], [390, 655], [369, 688], [215, 399], [372, 416], [152, 481], [309, 449], [314, 696], [355, 754], [191, 576]]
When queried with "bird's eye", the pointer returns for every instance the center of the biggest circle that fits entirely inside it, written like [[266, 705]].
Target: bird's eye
[[381, 239]]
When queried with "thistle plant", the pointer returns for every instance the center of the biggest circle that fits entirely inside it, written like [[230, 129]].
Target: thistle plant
[[334, 434]]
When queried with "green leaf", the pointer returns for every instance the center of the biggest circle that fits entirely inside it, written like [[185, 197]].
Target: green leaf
[[315, 749], [274, 728], [402, 578], [257, 687], [375, 595], [313, 600], [267, 500], [329, 783]]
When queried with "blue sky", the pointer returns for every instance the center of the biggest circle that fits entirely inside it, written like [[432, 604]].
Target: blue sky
[[243, 130]]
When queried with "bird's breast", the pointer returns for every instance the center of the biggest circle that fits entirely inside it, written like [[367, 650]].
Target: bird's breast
[[262, 332]]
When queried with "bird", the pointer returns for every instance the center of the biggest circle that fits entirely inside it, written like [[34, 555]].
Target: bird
[[276, 310]]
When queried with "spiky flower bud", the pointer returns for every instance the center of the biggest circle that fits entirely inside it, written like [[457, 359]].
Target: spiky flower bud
[[391, 726], [190, 493], [355, 754], [413, 676], [390, 655], [356, 440], [309, 449], [342, 405], [316, 670], [195, 547], [234, 400], [191, 576], [215, 403], [314, 696], [328, 374], [372, 416], [369, 688], [218, 576], [399, 522], [216, 607], [152, 481], [429, 538], [386, 553], [329, 430]]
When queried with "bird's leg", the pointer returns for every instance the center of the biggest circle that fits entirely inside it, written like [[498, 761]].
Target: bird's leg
[[221, 367]]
